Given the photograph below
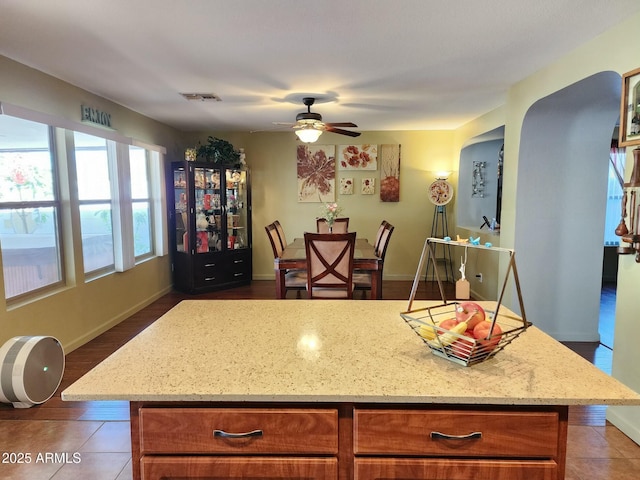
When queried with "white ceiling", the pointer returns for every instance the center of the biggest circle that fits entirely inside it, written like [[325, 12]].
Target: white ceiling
[[386, 64]]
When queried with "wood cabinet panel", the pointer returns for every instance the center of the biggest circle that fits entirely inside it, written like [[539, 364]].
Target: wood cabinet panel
[[502, 433], [231, 468], [440, 469], [283, 431]]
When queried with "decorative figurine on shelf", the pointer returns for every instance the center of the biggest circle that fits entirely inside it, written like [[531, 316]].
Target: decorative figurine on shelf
[[462, 285], [201, 221], [190, 154]]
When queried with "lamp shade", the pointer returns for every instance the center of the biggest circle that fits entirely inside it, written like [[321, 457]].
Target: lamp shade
[[308, 134]]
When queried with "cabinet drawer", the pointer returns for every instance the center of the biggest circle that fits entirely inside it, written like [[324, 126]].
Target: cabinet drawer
[[239, 261], [209, 270], [438, 469], [415, 432], [219, 430], [272, 468]]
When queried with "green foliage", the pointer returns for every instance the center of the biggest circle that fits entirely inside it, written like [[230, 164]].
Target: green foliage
[[219, 151]]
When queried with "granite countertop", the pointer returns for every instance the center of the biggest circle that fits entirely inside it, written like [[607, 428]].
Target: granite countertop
[[331, 351]]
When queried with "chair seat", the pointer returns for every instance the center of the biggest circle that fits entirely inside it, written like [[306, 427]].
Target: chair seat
[[361, 280], [296, 279], [319, 292]]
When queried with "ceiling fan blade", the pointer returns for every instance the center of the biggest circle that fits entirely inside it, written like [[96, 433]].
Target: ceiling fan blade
[[284, 124], [343, 124], [342, 132]]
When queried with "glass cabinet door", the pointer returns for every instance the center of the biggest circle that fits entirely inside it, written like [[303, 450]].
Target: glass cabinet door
[[208, 210], [236, 209], [180, 193]]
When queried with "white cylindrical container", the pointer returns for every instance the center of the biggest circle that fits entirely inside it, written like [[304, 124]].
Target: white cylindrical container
[[31, 369]]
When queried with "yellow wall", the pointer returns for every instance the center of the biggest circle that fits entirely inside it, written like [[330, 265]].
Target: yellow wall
[[611, 51], [272, 159], [80, 311]]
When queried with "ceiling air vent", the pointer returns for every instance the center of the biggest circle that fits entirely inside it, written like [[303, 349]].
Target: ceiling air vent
[[203, 97]]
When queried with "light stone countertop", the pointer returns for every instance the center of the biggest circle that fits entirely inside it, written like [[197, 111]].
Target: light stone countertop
[[331, 351]]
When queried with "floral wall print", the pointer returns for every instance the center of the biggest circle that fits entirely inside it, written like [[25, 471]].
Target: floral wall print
[[358, 157], [346, 186], [316, 173], [368, 186], [390, 173]]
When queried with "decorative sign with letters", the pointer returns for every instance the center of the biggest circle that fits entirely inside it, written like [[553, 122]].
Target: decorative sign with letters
[[95, 116]]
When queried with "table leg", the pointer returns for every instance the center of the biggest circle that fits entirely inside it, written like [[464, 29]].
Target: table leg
[[376, 285], [281, 291]]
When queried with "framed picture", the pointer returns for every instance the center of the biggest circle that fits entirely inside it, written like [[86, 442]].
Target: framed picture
[[316, 171], [346, 186], [358, 157], [368, 186], [390, 173], [630, 109]]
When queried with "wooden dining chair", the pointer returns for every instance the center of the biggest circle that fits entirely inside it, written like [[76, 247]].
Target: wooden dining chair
[[340, 225], [295, 280], [362, 280], [280, 230], [330, 264]]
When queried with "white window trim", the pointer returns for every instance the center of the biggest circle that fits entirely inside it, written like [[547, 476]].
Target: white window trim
[[124, 254]]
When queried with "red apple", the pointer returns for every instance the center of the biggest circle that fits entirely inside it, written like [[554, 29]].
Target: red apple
[[447, 324], [482, 330], [470, 312], [462, 346]]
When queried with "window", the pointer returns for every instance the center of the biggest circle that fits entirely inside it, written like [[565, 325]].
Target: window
[[29, 207], [140, 200], [95, 201], [614, 196], [112, 186]]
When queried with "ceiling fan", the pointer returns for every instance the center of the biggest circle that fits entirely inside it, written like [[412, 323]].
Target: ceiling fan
[[309, 125]]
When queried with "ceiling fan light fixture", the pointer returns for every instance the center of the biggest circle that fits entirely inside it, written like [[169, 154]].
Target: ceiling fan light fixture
[[308, 134]]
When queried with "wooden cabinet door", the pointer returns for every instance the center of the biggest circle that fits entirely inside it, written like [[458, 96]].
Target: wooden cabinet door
[[440, 469], [231, 468]]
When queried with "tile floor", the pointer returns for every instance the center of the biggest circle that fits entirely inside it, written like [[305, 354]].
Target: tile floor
[[95, 444]]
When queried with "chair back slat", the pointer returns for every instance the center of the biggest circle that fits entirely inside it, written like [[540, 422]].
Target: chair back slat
[[280, 230], [274, 238], [381, 247], [340, 225], [330, 264]]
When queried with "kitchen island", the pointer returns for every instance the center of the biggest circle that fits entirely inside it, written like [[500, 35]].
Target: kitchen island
[[338, 389]]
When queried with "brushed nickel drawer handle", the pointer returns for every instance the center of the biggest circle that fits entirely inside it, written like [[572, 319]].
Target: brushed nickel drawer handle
[[223, 434], [238, 261], [444, 436], [209, 264], [238, 274], [208, 279]]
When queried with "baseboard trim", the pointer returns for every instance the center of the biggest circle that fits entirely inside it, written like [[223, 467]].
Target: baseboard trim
[[99, 330], [616, 416]]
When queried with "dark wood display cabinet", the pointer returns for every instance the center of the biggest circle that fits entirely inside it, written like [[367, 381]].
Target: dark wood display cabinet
[[211, 221]]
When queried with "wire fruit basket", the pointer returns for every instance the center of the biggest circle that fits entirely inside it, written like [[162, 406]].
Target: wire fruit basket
[[453, 341]]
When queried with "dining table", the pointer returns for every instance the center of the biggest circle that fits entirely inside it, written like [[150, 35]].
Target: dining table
[[294, 257]]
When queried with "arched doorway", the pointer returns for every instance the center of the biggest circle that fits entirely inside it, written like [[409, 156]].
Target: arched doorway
[[560, 205]]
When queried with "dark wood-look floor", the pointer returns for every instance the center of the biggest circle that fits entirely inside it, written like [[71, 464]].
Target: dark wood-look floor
[[99, 431]]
